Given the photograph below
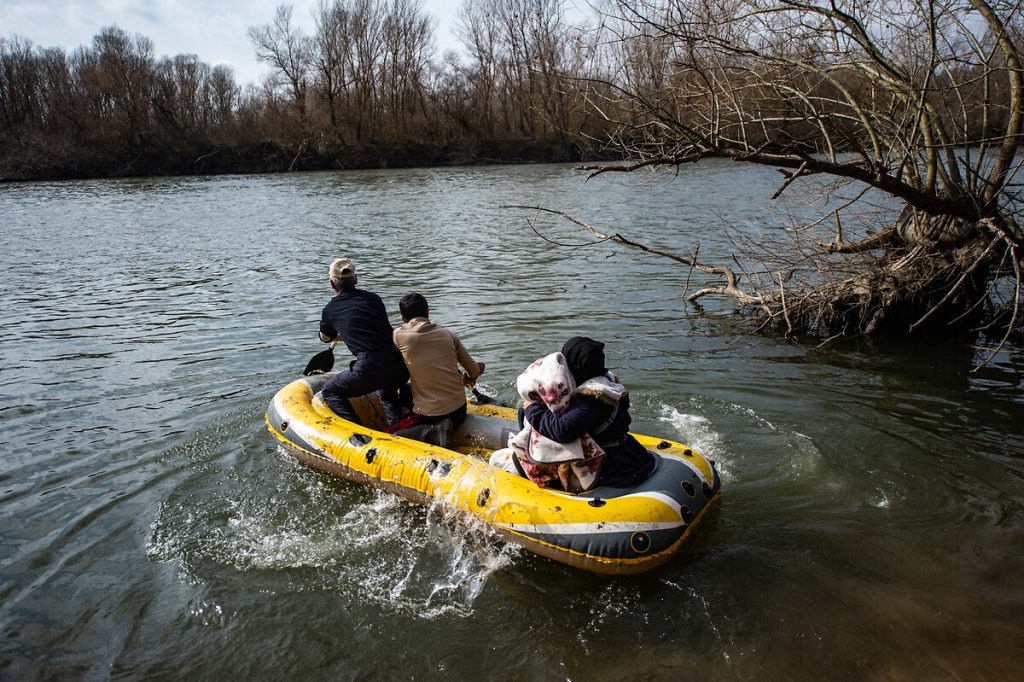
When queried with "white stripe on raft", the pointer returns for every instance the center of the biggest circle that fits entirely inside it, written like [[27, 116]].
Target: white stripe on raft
[[661, 497], [608, 526], [591, 528]]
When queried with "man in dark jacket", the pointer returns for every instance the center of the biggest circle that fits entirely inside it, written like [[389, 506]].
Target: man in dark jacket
[[358, 318], [596, 411]]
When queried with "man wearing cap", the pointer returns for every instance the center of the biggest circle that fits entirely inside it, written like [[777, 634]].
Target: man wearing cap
[[359, 319]]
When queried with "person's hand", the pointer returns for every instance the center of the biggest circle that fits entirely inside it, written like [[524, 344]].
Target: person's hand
[[481, 366]]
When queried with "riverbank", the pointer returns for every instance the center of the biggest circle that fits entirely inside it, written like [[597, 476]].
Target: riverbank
[[31, 159]]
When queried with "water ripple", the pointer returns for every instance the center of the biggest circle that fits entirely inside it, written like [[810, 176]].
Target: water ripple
[[867, 487]]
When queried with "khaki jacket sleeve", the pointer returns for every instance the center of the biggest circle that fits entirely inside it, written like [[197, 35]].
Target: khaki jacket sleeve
[[465, 359]]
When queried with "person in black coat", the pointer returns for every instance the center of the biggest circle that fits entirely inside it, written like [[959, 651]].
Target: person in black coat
[[358, 319], [599, 407]]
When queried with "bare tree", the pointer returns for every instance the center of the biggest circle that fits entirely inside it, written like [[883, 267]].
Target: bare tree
[[19, 89], [408, 36], [332, 47], [284, 46], [366, 27], [181, 93], [530, 40], [118, 70], [920, 100], [477, 28], [224, 96]]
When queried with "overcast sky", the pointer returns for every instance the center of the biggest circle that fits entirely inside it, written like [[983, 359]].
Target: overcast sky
[[214, 30]]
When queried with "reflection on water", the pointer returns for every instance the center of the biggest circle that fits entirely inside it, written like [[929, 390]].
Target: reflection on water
[[873, 498]]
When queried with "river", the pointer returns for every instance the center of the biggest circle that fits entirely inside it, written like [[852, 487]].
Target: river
[[871, 524]]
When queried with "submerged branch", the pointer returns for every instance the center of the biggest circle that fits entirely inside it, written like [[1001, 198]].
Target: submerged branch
[[731, 287], [599, 169], [875, 241]]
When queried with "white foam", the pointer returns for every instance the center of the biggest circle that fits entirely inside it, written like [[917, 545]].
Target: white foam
[[207, 614], [698, 432], [380, 548]]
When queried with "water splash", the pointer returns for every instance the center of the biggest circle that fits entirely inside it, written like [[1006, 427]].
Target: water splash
[[614, 604], [886, 492], [207, 614], [476, 552], [367, 544], [794, 454], [698, 432], [709, 615]]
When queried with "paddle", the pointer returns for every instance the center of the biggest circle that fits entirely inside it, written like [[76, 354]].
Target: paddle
[[322, 362], [481, 398]]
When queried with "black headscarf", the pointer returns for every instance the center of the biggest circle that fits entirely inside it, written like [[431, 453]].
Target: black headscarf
[[585, 357]]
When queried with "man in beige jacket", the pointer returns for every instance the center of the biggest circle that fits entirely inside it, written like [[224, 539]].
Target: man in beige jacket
[[433, 355]]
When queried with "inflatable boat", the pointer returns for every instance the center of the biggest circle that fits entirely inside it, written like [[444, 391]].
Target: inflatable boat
[[605, 530]]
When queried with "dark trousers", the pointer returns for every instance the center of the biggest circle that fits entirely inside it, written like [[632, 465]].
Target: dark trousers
[[412, 419], [436, 430], [369, 372]]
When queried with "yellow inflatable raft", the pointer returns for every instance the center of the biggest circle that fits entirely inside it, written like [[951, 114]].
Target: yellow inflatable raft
[[605, 530]]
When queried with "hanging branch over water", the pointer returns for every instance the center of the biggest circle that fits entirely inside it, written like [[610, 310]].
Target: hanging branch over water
[[923, 102], [731, 287]]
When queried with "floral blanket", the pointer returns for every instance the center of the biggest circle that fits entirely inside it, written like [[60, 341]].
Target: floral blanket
[[572, 466]]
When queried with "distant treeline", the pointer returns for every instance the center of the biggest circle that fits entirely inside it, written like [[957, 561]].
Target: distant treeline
[[368, 89], [365, 90]]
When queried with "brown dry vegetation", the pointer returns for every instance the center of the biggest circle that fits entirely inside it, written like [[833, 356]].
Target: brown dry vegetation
[[365, 89]]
